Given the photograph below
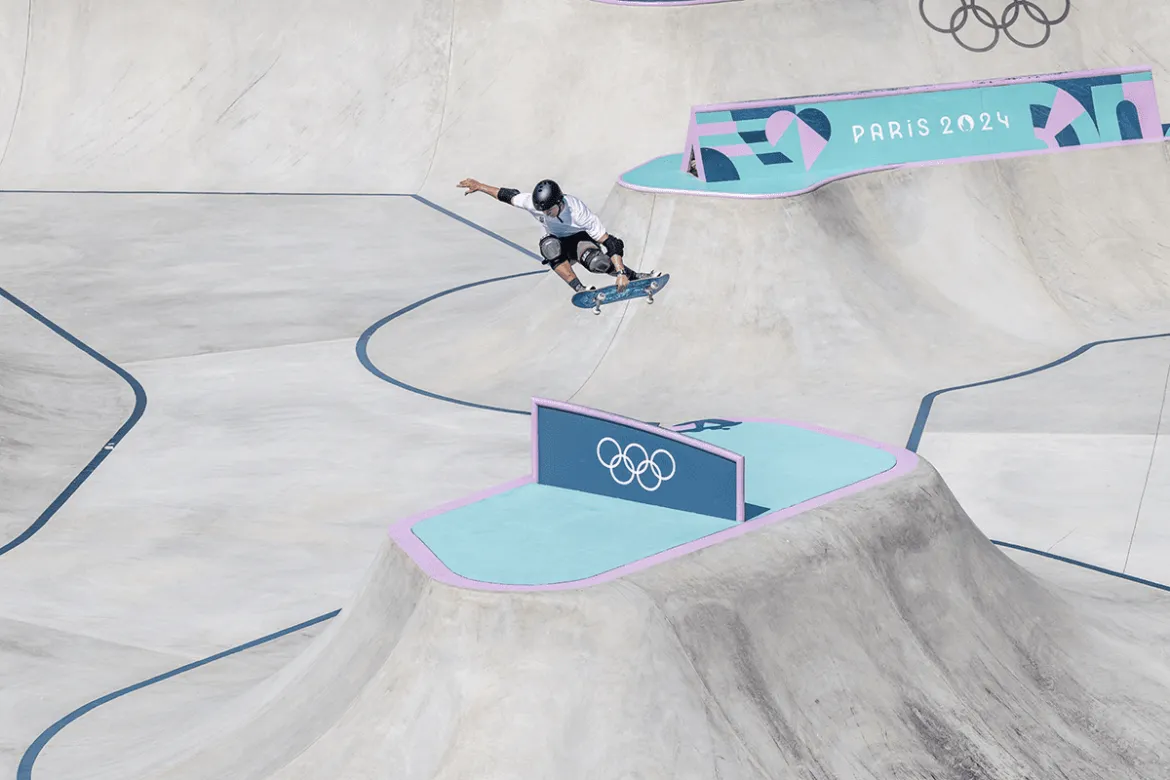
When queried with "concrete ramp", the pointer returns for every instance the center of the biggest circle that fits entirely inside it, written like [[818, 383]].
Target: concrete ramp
[[868, 291], [219, 96], [879, 636]]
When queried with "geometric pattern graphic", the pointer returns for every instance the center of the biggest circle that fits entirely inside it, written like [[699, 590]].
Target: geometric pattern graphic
[[586, 450], [795, 144]]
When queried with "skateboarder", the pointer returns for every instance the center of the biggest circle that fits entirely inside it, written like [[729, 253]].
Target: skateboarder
[[573, 233]]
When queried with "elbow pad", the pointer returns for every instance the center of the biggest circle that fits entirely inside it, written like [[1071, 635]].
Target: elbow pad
[[615, 246], [506, 194]]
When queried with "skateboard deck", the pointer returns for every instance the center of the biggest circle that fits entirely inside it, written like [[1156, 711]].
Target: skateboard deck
[[642, 288]]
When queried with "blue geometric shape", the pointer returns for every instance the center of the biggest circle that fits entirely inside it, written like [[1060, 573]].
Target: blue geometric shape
[[746, 114], [717, 166], [1067, 137], [774, 158], [612, 459], [1040, 115], [1128, 122], [753, 136], [1082, 90], [1166, 130], [817, 122], [709, 424]]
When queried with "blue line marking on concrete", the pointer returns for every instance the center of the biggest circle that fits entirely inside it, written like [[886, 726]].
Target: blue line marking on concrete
[[1083, 565], [928, 400], [131, 421], [363, 342], [217, 193], [480, 228], [924, 409], [24, 771]]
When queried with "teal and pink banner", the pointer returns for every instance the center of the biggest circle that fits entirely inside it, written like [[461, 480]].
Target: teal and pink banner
[[793, 145]]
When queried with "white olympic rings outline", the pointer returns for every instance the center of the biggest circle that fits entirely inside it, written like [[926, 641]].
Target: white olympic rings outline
[[622, 458], [1012, 12]]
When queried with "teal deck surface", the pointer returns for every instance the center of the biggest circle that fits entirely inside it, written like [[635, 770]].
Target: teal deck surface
[[539, 535], [663, 173], [785, 465]]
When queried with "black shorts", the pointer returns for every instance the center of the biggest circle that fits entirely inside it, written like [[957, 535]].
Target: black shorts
[[569, 248]]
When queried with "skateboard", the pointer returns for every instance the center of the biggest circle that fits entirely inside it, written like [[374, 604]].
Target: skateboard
[[595, 299]]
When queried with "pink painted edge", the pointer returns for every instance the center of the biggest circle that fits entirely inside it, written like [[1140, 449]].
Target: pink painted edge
[[535, 443], [1144, 98], [717, 128], [905, 462], [692, 143], [666, 433], [734, 150], [893, 166], [954, 86], [400, 531]]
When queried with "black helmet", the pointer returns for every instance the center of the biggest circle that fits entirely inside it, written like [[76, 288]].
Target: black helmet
[[546, 194]]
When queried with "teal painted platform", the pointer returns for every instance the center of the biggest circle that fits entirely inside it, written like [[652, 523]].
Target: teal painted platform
[[663, 174], [538, 535]]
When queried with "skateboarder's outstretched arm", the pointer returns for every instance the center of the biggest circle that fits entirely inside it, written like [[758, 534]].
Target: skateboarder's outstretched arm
[[471, 185]]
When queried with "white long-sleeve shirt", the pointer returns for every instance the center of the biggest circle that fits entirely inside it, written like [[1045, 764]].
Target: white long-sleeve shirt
[[575, 217]]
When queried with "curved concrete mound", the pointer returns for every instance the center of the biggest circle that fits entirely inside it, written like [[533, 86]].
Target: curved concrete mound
[[882, 636]]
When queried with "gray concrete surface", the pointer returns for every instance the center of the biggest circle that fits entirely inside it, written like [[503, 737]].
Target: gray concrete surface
[[880, 636]]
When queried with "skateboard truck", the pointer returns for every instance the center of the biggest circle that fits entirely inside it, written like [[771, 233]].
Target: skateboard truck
[[597, 301]]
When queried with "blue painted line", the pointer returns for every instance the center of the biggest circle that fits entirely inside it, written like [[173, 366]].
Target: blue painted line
[[927, 403], [24, 771], [103, 453], [924, 409], [474, 226], [1083, 565], [364, 340], [228, 193]]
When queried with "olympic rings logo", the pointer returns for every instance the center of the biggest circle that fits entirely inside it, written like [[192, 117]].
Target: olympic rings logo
[[1013, 12], [648, 463]]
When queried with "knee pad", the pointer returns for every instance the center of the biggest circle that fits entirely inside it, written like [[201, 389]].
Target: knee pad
[[596, 261], [550, 248]]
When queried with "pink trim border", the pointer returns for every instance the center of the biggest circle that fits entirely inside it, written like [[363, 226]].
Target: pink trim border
[[665, 433], [694, 131], [400, 531], [893, 166], [833, 97]]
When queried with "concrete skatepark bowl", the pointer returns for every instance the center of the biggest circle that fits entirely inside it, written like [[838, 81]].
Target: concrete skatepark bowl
[[276, 497]]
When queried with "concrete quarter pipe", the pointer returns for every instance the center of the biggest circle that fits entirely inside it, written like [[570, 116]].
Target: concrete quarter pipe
[[271, 501]]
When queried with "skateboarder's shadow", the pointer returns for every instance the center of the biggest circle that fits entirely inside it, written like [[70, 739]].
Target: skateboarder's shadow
[[716, 424]]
